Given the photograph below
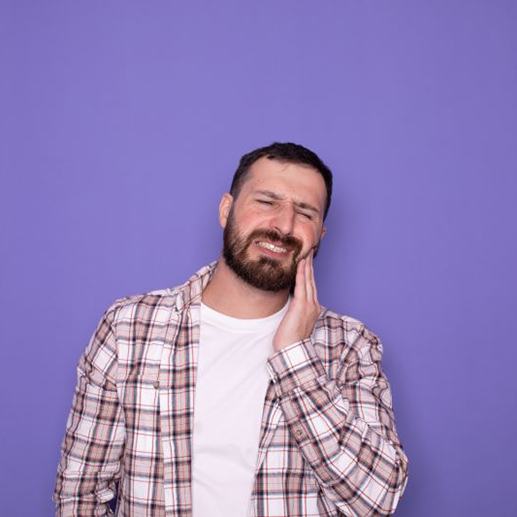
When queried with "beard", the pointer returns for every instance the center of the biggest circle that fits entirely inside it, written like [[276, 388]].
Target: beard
[[265, 273]]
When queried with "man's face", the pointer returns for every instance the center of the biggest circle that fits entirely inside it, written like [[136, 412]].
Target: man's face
[[276, 219]]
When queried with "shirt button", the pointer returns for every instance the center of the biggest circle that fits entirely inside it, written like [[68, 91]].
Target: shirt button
[[156, 385], [298, 433]]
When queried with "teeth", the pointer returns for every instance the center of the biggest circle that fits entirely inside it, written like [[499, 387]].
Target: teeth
[[271, 247]]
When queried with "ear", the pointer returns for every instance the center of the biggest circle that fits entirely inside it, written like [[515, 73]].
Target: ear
[[323, 231], [224, 208]]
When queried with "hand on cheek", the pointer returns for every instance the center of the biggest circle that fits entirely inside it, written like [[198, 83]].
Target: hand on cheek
[[304, 309]]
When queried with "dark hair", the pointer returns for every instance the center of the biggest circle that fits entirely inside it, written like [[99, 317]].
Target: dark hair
[[284, 152]]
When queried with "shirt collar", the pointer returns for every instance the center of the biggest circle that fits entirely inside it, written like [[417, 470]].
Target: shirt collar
[[190, 292]]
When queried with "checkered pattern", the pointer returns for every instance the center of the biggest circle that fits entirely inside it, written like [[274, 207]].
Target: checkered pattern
[[328, 441]]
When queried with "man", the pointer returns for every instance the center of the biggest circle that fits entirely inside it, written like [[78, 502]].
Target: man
[[236, 393]]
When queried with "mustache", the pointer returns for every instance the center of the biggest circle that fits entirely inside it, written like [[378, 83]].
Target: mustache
[[288, 241]]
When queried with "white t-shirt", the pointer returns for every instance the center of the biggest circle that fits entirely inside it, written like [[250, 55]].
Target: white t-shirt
[[230, 389]]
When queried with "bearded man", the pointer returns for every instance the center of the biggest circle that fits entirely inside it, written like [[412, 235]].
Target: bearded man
[[237, 394]]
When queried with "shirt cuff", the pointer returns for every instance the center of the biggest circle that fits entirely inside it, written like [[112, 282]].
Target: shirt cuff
[[295, 365]]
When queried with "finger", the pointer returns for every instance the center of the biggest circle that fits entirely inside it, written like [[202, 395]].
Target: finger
[[308, 273], [300, 289], [313, 280]]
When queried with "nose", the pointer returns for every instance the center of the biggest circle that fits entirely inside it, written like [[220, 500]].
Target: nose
[[284, 219]]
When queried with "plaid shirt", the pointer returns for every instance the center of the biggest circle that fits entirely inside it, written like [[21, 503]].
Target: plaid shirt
[[328, 443]]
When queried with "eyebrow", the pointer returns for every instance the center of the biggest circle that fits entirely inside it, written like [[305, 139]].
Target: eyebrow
[[300, 204]]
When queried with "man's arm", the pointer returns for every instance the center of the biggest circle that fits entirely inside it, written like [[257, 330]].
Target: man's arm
[[90, 453], [345, 428]]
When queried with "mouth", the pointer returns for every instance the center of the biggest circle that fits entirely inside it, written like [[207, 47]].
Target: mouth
[[272, 249]]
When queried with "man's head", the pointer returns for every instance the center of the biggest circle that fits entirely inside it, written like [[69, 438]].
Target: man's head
[[273, 215]]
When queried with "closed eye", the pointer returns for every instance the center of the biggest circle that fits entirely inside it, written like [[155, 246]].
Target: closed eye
[[264, 202]]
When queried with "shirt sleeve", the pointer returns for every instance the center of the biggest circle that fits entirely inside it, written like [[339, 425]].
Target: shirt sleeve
[[91, 449], [345, 428]]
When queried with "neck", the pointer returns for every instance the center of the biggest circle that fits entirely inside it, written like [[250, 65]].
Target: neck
[[229, 294]]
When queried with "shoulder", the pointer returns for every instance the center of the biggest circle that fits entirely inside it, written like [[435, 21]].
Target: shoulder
[[352, 337], [151, 306], [158, 304]]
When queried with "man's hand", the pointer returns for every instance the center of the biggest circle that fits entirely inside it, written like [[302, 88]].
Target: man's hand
[[304, 309]]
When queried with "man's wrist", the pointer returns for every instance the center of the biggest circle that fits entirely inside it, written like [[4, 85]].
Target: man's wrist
[[295, 365]]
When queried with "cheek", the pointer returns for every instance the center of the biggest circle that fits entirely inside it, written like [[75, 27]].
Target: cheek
[[252, 219], [245, 222], [310, 237]]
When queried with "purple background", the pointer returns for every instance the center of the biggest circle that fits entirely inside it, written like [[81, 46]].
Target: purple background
[[121, 126]]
